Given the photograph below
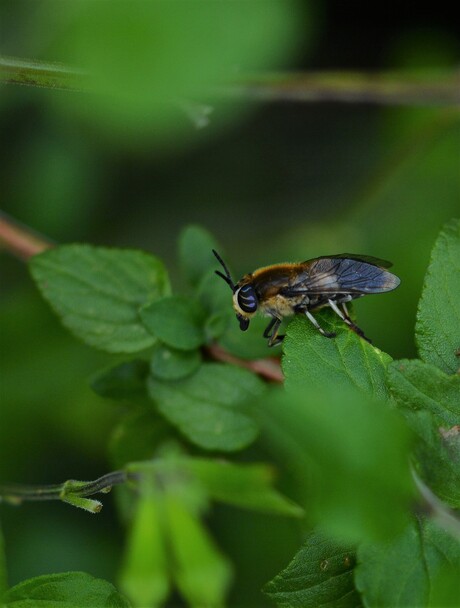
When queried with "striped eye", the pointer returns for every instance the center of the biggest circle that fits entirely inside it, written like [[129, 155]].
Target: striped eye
[[247, 299]]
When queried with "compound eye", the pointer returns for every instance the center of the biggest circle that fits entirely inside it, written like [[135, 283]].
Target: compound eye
[[247, 299]]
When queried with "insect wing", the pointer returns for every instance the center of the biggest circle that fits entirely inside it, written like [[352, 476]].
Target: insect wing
[[354, 256], [342, 275]]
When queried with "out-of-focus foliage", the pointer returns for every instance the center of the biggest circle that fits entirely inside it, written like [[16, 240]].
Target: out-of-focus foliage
[[147, 62]]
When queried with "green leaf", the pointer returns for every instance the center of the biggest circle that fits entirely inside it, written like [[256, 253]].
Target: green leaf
[[430, 401], [172, 364], [201, 572], [195, 253], [444, 589], [401, 573], [144, 575], [211, 407], [123, 381], [176, 321], [216, 299], [97, 292], [350, 454], [65, 590], [437, 329], [247, 486], [345, 361], [420, 386], [320, 575]]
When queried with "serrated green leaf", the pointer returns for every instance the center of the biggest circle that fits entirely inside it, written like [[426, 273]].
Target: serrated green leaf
[[172, 364], [347, 360], [350, 455], [144, 575], [418, 385], [430, 401], [97, 292], [247, 486], [176, 321], [437, 329], [200, 571], [319, 576], [64, 590], [211, 407], [123, 381], [195, 253], [400, 573]]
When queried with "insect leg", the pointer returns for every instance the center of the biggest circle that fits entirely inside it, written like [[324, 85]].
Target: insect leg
[[346, 318], [328, 334], [271, 332]]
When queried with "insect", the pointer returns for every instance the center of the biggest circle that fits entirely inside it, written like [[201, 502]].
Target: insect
[[281, 290]]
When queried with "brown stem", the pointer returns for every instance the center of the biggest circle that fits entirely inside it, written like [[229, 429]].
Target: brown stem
[[19, 240], [269, 368]]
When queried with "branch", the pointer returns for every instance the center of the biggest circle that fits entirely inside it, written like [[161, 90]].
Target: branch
[[49, 75], [70, 491], [385, 88], [389, 88], [20, 240], [268, 368]]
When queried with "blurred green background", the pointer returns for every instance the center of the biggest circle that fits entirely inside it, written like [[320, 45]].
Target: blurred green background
[[127, 166]]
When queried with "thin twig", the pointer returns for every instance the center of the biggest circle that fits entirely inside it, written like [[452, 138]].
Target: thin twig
[[385, 88], [19, 240], [389, 88], [18, 493], [269, 368]]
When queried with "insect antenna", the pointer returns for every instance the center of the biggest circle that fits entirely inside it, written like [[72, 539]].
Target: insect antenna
[[227, 277]]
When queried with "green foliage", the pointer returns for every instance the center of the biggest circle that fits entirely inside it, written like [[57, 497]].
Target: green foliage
[[211, 407], [401, 573], [429, 399], [172, 364], [65, 590], [346, 361], [349, 468], [144, 575], [175, 322], [195, 254], [97, 293], [145, 60], [438, 318], [320, 574], [350, 430]]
